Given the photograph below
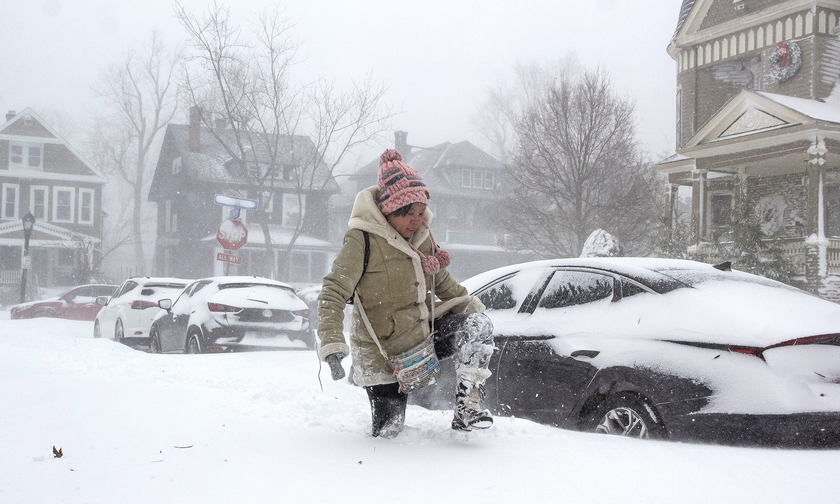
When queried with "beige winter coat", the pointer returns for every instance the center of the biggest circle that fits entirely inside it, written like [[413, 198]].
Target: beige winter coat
[[393, 292]]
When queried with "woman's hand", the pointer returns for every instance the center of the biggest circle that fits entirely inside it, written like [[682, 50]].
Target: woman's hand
[[334, 360]]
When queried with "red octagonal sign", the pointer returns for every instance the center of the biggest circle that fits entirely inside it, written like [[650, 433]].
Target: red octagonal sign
[[232, 234]]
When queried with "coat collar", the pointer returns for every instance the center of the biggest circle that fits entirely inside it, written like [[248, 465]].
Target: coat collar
[[366, 216]]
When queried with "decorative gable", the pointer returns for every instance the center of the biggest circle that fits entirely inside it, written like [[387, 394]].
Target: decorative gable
[[752, 121]]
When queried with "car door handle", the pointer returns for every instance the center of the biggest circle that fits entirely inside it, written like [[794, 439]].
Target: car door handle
[[585, 353]]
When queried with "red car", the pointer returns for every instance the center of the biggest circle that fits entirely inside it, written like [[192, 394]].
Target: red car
[[79, 303]]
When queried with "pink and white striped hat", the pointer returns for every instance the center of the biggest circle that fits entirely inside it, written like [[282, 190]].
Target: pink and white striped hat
[[399, 184]]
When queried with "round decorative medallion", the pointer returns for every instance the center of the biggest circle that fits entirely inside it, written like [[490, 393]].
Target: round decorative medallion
[[785, 61]]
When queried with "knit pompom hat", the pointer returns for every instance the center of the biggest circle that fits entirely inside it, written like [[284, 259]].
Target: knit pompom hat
[[399, 184]]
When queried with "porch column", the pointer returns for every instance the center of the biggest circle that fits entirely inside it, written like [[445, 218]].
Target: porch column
[[816, 244], [698, 203], [671, 191]]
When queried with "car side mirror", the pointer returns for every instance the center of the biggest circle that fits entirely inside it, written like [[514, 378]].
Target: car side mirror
[[102, 300], [166, 304]]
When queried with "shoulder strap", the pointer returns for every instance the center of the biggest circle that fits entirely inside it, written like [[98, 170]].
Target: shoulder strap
[[367, 252], [364, 264]]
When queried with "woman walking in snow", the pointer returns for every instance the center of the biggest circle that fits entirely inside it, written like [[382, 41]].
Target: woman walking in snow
[[390, 263]]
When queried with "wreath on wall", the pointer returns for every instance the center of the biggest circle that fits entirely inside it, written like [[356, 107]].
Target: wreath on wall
[[785, 61]]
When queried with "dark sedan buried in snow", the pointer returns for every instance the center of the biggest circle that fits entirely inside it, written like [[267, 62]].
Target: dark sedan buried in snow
[[658, 348], [223, 314]]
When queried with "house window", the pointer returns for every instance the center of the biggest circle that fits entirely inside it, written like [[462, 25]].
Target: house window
[[478, 179], [293, 209], [466, 178], [85, 206], [832, 210], [11, 193], [170, 223], [679, 118], [63, 203], [489, 180], [720, 214], [268, 202], [176, 165], [26, 156], [38, 201]]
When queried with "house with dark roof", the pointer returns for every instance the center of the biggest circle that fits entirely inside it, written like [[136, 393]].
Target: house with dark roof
[[758, 124], [42, 174], [464, 183], [195, 166]]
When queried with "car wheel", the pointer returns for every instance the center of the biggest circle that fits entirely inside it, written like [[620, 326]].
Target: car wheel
[[194, 343], [628, 414], [119, 333], [154, 341], [97, 331], [43, 312]]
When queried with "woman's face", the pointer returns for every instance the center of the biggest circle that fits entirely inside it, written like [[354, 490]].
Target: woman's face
[[407, 224]]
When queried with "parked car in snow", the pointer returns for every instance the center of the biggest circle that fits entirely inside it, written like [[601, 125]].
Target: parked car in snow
[[78, 303], [659, 348], [127, 315], [222, 314]]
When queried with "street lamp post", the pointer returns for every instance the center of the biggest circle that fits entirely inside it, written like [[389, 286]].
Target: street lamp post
[[28, 222]]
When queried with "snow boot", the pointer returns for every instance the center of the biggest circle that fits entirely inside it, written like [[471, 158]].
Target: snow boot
[[468, 412], [387, 408]]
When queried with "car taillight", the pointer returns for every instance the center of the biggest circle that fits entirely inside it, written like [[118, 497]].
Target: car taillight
[[219, 307], [142, 305], [301, 313], [821, 339]]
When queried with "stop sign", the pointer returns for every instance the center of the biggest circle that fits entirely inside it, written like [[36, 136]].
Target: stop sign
[[232, 234]]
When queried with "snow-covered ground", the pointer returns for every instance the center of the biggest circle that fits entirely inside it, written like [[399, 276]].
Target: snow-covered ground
[[257, 428]]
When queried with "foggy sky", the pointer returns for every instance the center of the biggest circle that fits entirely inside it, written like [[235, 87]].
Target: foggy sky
[[438, 56]]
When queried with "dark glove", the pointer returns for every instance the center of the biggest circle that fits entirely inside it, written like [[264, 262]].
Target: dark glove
[[334, 360]]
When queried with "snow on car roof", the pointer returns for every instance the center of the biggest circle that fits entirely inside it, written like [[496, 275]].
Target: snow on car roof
[[648, 268]]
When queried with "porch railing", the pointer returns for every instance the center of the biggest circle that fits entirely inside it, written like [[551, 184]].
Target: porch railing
[[9, 277], [794, 250]]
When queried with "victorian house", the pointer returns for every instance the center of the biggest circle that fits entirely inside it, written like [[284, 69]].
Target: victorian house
[[463, 182], [196, 174], [43, 175], [758, 123]]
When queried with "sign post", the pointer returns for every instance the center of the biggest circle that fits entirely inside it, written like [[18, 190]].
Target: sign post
[[231, 233]]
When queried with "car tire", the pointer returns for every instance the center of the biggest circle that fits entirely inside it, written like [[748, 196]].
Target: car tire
[[43, 313], [154, 341], [119, 332], [97, 331], [628, 414], [193, 345]]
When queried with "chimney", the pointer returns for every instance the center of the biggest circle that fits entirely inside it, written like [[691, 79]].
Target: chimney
[[195, 128], [10, 115], [401, 144]]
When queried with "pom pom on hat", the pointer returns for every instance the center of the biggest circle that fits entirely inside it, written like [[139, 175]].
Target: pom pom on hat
[[399, 184]]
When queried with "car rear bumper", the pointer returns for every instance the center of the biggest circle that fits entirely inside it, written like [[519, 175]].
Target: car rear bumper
[[223, 339], [800, 430]]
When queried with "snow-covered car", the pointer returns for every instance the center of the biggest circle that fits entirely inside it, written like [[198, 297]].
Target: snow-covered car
[[78, 303], [229, 313], [127, 315], [659, 348]]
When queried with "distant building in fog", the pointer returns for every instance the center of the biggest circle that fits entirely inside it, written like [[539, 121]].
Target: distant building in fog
[[463, 182], [42, 174]]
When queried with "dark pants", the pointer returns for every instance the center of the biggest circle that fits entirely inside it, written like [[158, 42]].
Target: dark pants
[[468, 336]]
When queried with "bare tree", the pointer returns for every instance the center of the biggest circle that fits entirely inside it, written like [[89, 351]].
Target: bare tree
[[276, 134], [575, 167], [495, 118], [140, 99]]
